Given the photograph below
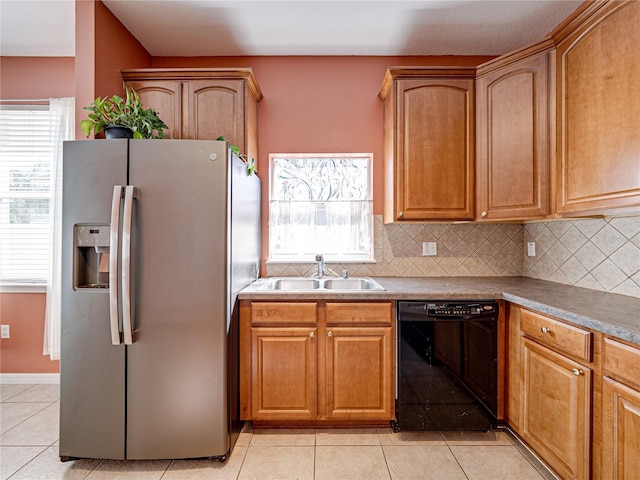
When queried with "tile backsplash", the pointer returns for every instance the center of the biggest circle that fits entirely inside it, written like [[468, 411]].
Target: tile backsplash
[[464, 249], [601, 254]]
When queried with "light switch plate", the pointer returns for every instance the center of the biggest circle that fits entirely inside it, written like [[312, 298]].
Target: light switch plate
[[531, 249], [5, 331], [429, 249]]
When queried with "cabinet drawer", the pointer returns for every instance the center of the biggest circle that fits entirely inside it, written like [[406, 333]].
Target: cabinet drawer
[[359, 313], [559, 336], [263, 313], [622, 362]]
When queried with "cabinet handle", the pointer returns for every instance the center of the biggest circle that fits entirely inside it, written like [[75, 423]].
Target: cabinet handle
[[545, 330], [577, 372], [483, 214], [311, 334], [329, 334]]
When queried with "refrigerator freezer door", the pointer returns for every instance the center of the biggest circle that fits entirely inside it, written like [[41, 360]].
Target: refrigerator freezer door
[[176, 394], [92, 370]]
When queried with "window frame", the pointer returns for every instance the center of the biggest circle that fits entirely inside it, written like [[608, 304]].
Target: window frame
[[365, 257]]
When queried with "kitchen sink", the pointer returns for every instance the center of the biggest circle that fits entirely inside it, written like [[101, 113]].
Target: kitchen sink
[[351, 284], [288, 284], [293, 284]]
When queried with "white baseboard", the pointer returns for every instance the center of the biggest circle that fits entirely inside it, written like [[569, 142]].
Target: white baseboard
[[29, 378]]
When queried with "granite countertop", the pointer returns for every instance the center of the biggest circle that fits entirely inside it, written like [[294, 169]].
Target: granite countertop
[[609, 313]]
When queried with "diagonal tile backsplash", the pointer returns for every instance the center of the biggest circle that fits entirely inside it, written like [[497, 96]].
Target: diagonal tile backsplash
[[465, 249], [601, 254]]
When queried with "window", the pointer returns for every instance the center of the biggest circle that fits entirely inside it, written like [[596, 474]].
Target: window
[[26, 158], [320, 204]]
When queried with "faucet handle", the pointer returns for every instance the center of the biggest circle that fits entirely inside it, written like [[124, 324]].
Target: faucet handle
[[319, 258]]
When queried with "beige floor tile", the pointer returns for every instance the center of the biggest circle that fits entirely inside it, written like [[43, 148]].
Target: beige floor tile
[[347, 436], [129, 469], [38, 393], [388, 437], [494, 463], [283, 436], [244, 439], [207, 469], [8, 390], [47, 466], [39, 429], [341, 462], [12, 414], [425, 462], [278, 463], [492, 437], [13, 459]]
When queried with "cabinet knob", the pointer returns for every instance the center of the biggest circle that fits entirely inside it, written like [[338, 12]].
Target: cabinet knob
[[545, 330], [329, 334], [401, 214], [311, 334], [577, 372], [483, 214]]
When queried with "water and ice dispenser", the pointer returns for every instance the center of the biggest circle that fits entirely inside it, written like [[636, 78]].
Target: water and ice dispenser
[[91, 256]]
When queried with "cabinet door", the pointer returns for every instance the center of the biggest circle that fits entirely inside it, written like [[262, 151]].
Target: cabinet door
[[283, 373], [556, 409], [216, 108], [165, 97], [598, 113], [359, 373], [513, 149], [621, 430], [434, 170]]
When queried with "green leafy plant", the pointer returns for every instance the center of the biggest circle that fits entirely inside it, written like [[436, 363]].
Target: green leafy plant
[[249, 161], [125, 112]]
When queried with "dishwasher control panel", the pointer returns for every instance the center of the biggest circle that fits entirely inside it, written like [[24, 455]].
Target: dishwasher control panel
[[440, 309]]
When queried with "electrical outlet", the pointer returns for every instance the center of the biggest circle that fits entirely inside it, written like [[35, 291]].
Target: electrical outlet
[[531, 249], [429, 249], [6, 332]]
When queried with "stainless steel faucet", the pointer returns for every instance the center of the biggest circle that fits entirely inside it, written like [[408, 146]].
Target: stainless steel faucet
[[320, 261]]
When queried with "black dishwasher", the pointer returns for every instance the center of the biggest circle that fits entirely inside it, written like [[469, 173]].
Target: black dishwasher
[[447, 365]]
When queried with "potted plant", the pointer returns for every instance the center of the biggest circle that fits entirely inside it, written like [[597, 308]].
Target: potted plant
[[128, 113]]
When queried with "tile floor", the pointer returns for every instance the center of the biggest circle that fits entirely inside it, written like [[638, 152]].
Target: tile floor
[[29, 451]]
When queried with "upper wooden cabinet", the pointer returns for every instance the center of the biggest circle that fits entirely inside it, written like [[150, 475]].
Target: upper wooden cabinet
[[429, 116], [598, 109], [513, 150], [203, 104]]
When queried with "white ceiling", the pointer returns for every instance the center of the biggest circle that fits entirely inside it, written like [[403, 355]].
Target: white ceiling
[[293, 27]]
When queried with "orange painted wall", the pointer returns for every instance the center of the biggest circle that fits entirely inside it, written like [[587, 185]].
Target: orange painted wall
[[22, 353], [36, 77], [103, 48]]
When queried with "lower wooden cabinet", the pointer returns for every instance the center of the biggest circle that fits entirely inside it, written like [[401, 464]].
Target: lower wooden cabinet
[[620, 411], [358, 373], [284, 373], [556, 409], [317, 362]]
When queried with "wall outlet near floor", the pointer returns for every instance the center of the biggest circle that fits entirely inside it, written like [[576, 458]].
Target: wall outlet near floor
[[5, 332], [429, 249], [531, 249]]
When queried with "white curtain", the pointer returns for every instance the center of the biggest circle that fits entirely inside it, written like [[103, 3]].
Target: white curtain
[[63, 128]]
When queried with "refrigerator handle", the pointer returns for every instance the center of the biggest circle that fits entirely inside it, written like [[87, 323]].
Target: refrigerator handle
[[113, 265], [127, 219]]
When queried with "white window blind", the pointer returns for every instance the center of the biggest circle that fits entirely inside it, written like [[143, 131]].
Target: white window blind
[[26, 157], [320, 204]]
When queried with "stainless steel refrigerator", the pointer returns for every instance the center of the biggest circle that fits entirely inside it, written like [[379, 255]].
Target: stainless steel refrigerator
[[158, 238]]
